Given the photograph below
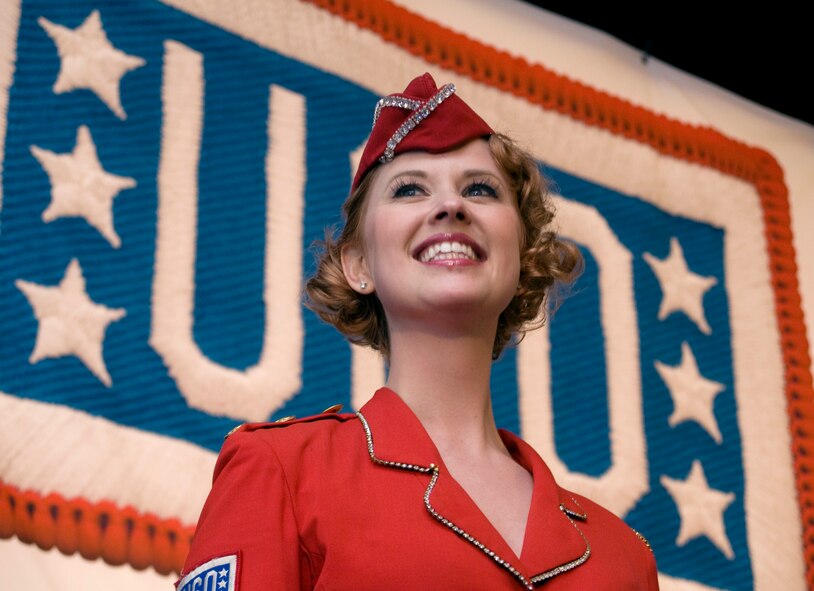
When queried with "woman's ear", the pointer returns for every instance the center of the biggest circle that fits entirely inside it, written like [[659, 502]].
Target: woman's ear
[[354, 266]]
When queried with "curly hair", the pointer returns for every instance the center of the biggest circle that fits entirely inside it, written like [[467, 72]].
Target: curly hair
[[547, 264]]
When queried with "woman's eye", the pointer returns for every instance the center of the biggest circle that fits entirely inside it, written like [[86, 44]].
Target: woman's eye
[[480, 190], [407, 190]]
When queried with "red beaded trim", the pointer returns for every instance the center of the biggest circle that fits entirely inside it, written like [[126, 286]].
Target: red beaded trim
[[117, 535]]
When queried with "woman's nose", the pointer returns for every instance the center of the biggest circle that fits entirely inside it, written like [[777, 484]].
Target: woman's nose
[[452, 207]]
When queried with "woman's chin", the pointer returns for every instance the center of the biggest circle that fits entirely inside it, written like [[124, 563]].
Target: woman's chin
[[444, 304]]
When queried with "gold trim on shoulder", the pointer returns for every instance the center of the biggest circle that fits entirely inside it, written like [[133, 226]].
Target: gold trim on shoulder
[[285, 419], [332, 409], [643, 539], [233, 430]]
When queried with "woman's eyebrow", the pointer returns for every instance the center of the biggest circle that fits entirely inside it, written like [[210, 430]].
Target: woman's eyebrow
[[481, 172], [417, 173]]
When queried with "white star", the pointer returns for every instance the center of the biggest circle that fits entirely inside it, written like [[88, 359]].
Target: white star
[[221, 584], [81, 187], [70, 323], [223, 572], [682, 290], [90, 61], [701, 509], [693, 394]]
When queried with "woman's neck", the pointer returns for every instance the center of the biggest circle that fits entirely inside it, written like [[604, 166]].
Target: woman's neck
[[445, 381]]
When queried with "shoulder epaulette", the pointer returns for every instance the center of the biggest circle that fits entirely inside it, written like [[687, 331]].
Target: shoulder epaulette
[[332, 412]]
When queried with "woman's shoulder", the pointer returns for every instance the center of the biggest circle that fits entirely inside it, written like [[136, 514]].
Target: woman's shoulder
[[332, 414], [614, 543], [613, 525], [291, 437], [257, 501]]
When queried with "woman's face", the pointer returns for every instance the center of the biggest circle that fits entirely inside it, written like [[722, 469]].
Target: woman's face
[[441, 233]]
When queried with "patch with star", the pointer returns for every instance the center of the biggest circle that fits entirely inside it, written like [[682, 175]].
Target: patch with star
[[218, 574]]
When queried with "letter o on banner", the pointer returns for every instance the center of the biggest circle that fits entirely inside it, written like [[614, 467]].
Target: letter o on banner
[[626, 481]]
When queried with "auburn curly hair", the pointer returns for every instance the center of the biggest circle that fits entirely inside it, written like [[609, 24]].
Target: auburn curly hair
[[547, 264]]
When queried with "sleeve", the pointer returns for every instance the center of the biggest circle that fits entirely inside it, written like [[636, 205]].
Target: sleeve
[[247, 537], [647, 564], [652, 573], [650, 569]]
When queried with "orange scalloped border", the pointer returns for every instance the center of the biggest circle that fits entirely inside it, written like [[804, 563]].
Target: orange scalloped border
[[117, 535], [702, 145]]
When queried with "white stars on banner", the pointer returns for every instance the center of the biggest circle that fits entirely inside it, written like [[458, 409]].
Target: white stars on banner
[[70, 323], [682, 290], [81, 187], [693, 395], [701, 509], [90, 61]]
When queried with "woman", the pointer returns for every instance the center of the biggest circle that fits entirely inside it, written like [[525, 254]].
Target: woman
[[444, 256]]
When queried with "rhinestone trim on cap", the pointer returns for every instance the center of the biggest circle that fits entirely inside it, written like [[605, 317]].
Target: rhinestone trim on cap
[[435, 471], [400, 102], [420, 111]]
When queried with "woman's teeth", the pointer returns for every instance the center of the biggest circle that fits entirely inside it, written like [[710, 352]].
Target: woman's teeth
[[444, 251]]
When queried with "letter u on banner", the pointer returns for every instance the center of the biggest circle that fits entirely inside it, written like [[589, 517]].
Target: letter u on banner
[[258, 391], [626, 481]]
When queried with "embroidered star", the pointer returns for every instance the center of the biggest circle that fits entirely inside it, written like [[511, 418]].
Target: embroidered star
[[221, 584], [90, 61], [682, 290], [701, 509], [80, 187], [693, 395], [223, 572], [70, 323]]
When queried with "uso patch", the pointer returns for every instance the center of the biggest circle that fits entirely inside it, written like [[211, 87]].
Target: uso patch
[[218, 574]]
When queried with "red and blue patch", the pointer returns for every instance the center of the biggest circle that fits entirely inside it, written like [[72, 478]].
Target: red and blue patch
[[218, 574]]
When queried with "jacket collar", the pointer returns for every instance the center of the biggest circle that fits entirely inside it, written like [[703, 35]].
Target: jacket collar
[[553, 541]]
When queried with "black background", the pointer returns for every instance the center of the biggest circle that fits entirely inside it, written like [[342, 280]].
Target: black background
[[765, 53]]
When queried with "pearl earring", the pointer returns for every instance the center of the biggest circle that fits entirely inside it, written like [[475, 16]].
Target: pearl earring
[[362, 285]]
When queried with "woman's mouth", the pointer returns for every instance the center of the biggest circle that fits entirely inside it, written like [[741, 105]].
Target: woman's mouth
[[449, 247], [445, 251]]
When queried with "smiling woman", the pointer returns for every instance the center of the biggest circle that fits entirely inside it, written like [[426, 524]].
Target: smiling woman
[[447, 253], [510, 176], [423, 215]]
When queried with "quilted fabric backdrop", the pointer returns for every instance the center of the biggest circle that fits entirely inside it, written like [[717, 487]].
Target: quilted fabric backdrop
[[166, 166]]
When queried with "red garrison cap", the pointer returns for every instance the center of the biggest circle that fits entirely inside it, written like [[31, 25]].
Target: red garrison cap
[[423, 117]]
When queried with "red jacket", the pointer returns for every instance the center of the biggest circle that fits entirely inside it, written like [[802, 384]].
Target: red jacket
[[364, 502]]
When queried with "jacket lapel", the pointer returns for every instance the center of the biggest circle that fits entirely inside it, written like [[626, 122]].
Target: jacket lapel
[[553, 541], [396, 439]]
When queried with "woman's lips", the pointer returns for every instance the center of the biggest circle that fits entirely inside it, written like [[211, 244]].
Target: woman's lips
[[449, 250]]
